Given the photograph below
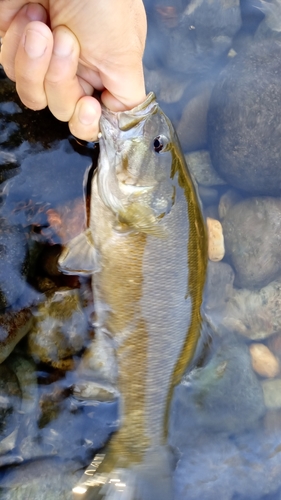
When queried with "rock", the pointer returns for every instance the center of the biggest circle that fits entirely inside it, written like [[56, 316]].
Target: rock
[[93, 391], [253, 314], [244, 120], [13, 254], [67, 221], [219, 286], [45, 479], [215, 240], [192, 127], [263, 361], [211, 211], [241, 467], [10, 405], [228, 200], [222, 396], [60, 328], [167, 87], [13, 327], [200, 165], [274, 344], [272, 421], [203, 34], [208, 195], [270, 26], [272, 393], [98, 361], [252, 236]]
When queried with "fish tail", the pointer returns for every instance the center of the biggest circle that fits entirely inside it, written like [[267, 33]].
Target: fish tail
[[150, 480]]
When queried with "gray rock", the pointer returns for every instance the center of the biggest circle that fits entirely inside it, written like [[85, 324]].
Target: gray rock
[[228, 200], [253, 314], [222, 396], [192, 127], [167, 87], [60, 328], [252, 236], [247, 467], [204, 33], [244, 120], [272, 393], [219, 286], [202, 169]]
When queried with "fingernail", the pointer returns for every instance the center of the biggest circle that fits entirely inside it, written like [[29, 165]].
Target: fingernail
[[63, 44], [35, 12], [35, 44], [87, 115]]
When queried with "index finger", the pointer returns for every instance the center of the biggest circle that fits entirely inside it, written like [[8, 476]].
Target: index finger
[[10, 8]]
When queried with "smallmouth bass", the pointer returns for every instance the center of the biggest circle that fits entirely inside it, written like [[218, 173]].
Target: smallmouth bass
[[146, 247]]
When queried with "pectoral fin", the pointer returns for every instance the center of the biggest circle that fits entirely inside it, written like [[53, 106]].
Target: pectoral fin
[[78, 256]]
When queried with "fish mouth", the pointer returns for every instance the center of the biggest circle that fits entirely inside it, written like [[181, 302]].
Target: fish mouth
[[127, 120]]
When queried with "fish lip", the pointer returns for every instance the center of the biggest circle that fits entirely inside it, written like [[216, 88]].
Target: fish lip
[[128, 119]]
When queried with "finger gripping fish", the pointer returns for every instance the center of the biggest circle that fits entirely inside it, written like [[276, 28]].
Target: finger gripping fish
[[146, 247]]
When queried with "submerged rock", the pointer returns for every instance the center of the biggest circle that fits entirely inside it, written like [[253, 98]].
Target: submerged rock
[[60, 328], [215, 240], [222, 396], [14, 290], [219, 286], [252, 235], [253, 314], [201, 33], [264, 362], [200, 165], [272, 393], [13, 327], [192, 127], [244, 120], [43, 479]]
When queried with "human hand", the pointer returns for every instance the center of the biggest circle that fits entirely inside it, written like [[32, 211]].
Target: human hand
[[89, 45]]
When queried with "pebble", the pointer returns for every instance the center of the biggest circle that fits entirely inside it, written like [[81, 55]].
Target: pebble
[[263, 361], [215, 240], [272, 393]]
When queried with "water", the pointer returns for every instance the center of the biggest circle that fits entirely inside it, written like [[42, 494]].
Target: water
[[216, 70]]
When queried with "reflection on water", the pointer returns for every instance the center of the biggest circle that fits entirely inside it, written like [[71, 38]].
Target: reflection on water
[[216, 69]]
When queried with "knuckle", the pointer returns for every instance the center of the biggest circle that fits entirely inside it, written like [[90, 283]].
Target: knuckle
[[34, 103]]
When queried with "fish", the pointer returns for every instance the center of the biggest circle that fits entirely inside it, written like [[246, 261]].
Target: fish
[[146, 249]]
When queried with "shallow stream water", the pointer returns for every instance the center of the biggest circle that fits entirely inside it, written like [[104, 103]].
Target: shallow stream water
[[215, 67]]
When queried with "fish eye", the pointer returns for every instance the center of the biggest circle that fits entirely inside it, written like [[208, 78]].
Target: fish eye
[[160, 143]]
